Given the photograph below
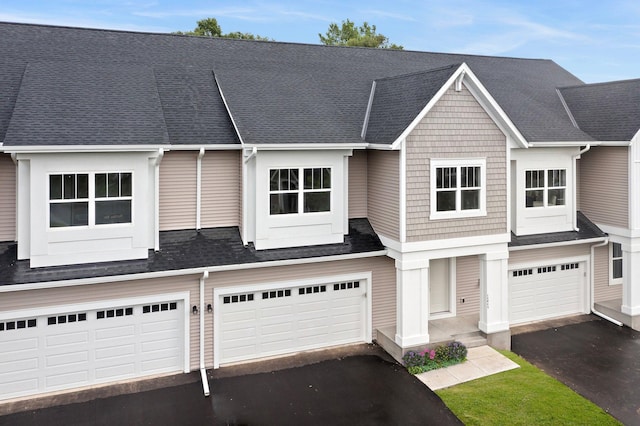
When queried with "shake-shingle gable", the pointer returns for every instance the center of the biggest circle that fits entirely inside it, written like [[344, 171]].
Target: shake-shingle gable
[[277, 93], [606, 111], [397, 101]]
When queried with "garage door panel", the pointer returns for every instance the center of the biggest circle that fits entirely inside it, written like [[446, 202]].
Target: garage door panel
[[67, 339], [290, 319], [545, 292], [116, 371], [118, 332], [15, 348], [96, 346]]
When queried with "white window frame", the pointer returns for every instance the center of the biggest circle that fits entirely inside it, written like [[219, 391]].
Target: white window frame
[[459, 212], [91, 200], [301, 191], [612, 280], [545, 188]]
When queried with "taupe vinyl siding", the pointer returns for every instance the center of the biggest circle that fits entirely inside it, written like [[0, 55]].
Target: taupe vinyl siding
[[604, 185], [548, 255], [383, 194], [358, 184], [221, 189], [8, 197], [603, 291], [467, 285], [383, 299], [456, 127], [178, 190], [108, 291]]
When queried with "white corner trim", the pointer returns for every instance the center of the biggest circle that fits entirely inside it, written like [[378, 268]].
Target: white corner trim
[[403, 191]]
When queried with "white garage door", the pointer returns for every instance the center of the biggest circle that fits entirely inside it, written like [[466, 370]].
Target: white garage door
[[546, 292], [68, 350], [284, 320]]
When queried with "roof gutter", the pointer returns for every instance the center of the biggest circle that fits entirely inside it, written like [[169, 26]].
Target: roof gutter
[[549, 245], [190, 271]]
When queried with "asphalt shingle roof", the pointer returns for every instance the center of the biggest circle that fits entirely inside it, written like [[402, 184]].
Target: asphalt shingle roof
[[277, 92], [587, 230], [187, 249], [397, 101], [607, 111]]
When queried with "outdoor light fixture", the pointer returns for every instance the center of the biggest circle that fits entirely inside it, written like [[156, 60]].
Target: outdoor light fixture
[[209, 308], [194, 310]]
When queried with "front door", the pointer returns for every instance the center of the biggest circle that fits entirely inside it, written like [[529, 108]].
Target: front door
[[439, 286]]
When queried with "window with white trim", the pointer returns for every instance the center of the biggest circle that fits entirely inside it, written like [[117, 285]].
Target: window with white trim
[[458, 188], [615, 265], [545, 188], [87, 199], [288, 196]]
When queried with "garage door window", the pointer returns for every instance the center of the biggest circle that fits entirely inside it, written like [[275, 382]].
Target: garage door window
[[17, 325]]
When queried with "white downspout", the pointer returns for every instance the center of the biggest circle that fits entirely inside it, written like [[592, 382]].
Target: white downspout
[[199, 187], [575, 187], [203, 370], [592, 278], [157, 200]]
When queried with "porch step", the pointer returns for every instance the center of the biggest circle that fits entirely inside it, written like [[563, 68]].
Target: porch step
[[471, 340]]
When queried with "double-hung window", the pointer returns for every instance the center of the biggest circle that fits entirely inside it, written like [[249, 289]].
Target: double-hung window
[[68, 200], [615, 266], [288, 194], [545, 188], [87, 199], [457, 188]]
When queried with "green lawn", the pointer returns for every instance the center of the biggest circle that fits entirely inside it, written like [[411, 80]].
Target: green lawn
[[523, 396]]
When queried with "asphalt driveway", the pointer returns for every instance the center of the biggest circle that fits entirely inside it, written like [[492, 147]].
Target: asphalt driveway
[[597, 359], [356, 390]]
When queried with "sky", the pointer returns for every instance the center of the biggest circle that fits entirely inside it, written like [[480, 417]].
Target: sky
[[596, 40]]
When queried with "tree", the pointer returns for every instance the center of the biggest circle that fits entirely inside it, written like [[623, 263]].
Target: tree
[[350, 35], [209, 27]]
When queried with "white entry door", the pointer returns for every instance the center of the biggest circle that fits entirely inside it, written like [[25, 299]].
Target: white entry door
[[73, 349], [439, 286]]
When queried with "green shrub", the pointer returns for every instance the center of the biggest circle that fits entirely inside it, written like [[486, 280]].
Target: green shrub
[[442, 356]]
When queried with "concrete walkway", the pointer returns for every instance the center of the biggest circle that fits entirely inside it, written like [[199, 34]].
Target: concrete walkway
[[481, 361]]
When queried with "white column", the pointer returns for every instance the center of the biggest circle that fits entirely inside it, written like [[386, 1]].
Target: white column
[[494, 292], [412, 303], [631, 278]]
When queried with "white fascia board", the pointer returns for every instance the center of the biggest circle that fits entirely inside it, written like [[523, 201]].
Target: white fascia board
[[459, 244], [496, 112], [383, 147], [181, 272], [37, 149], [558, 244], [562, 144], [207, 147], [226, 105], [306, 146]]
